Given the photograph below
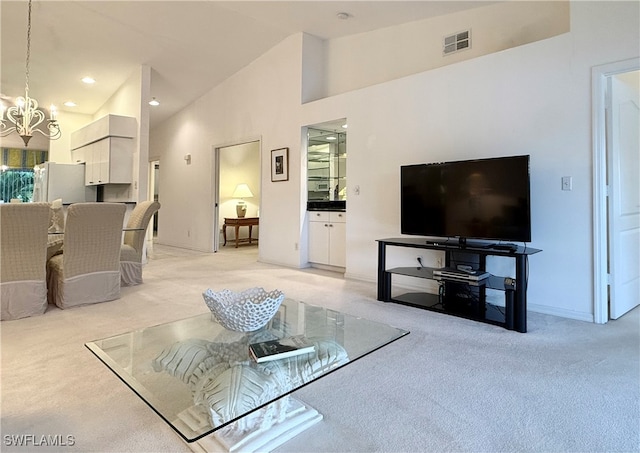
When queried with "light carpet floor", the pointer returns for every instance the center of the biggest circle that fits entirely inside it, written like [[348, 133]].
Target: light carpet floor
[[452, 385]]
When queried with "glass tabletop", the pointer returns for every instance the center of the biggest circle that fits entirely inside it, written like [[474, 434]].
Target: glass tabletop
[[199, 377]]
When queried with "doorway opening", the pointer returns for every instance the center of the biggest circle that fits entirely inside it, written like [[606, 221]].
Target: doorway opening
[[616, 175], [237, 198]]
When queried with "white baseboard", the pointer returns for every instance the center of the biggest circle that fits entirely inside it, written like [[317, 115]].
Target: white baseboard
[[561, 312]]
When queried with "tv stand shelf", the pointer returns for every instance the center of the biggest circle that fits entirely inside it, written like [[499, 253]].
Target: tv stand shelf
[[464, 298]]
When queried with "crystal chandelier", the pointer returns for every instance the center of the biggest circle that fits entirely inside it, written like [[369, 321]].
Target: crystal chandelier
[[25, 114]]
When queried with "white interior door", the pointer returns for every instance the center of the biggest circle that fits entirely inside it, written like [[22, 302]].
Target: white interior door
[[623, 140]]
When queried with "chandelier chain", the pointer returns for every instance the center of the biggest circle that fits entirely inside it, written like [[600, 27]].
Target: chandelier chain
[[26, 80]]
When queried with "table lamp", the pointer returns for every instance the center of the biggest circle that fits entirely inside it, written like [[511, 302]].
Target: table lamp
[[242, 191]]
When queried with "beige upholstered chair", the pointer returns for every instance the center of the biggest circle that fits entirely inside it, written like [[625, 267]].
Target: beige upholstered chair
[[23, 258], [88, 270], [133, 244]]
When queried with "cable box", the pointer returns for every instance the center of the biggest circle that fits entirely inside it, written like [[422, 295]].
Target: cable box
[[447, 273]]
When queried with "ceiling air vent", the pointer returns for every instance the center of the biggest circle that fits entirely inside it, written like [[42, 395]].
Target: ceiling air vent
[[456, 42]]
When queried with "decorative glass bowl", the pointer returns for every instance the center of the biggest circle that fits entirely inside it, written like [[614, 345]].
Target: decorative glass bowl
[[246, 311]]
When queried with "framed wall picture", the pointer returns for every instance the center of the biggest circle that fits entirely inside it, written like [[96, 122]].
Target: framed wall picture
[[280, 164]]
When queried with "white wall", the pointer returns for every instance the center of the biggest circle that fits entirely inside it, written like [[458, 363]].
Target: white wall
[[491, 106], [262, 100], [60, 150], [533, 99], [127, 100], [365, 59], [131, 99]]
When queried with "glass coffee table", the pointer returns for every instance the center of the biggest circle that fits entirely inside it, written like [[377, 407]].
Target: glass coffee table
[[198, 376]]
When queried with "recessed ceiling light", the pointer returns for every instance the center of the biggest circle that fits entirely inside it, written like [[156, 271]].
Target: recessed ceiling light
[[88, 80], [70, 104], [154, 102]]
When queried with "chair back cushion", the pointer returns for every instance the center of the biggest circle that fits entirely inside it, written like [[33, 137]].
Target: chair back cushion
[[23, 240], [92, 238], [23, 257]]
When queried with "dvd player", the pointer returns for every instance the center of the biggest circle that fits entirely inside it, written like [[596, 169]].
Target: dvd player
[[455, 274]]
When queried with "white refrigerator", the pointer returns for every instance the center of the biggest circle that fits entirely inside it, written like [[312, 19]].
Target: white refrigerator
[[66, 181]]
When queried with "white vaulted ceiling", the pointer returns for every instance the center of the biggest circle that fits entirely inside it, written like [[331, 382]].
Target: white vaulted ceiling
[[191, 46]]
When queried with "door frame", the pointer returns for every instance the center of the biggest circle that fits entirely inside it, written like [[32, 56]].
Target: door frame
[[599, 77], [216, 197], [152, 181]]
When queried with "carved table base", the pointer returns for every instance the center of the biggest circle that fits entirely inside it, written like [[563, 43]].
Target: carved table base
[[298, 418]]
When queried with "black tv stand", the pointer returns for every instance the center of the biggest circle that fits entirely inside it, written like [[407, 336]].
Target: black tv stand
[[460, 296]]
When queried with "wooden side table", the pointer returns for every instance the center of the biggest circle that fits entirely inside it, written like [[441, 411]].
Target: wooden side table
[[237, 222]]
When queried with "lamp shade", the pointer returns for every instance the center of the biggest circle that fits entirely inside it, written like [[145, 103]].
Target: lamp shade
[[242, 191]]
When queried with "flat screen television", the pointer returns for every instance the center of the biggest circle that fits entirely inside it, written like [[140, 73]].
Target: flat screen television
[[485, 199]]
